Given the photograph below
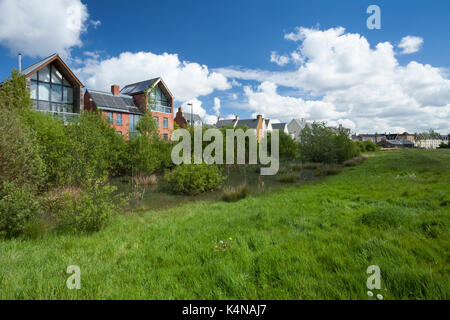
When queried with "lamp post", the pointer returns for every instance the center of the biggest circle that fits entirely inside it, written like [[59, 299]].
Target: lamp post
[[190, 104]]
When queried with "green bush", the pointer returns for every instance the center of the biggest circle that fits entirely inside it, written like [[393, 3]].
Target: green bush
[[361, 146], [17, 207], [95, 149], [236, 193], [20, 161], [193, 178], [317, 144], [370, 146], [288, 147], [345, 148], [82, 211]]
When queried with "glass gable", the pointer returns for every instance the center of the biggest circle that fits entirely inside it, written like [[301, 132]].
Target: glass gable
[[158, 101], [50, 91]]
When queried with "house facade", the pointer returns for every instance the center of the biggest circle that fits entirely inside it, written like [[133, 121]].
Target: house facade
[[295, 128], [54, 88], [281, 127], [123, 108], [256, 124]]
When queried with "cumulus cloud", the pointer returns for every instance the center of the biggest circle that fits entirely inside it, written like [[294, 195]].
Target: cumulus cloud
[[216, 106], [40, 28], [277, 59], [186, 80], [410, 44], [343, 78]]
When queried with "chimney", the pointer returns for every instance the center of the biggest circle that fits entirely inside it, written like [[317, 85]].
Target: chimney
[[237, 118], [180, 109], [219, 118], [115, 89], [20, 62], [259, 117]]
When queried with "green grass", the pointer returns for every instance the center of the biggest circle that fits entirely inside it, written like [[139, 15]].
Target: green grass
[[309, 241]]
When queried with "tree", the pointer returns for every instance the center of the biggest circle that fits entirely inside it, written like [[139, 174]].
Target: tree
[[14, 94], [317, 144]]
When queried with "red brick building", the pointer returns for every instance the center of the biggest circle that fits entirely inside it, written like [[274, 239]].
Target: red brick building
[[124, 107]]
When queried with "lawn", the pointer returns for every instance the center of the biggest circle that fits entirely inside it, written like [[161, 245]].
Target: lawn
[[306, 241]]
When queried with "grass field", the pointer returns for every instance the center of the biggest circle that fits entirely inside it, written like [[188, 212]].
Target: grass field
[[310, 241]]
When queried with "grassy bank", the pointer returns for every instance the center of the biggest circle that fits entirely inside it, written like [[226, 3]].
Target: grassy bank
[[309, 241]]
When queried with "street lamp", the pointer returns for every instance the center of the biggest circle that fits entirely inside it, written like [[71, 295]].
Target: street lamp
[[190, 104]]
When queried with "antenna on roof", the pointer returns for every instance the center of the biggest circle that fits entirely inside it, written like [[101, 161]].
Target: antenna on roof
[[20, 62]]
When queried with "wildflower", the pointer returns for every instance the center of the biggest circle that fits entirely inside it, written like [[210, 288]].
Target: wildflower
[[380, 297], [370, 293], [230, 238]]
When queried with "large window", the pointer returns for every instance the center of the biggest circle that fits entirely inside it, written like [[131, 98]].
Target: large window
[[110, 118], [158, 101], [165, 123], [51, 91]]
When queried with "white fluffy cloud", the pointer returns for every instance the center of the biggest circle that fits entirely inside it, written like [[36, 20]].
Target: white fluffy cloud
[[348, 80], [186, 80], [410, 44], [40, 28], [279, 60], [216, 106]]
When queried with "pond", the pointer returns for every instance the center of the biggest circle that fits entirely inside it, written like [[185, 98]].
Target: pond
[[157, 197]]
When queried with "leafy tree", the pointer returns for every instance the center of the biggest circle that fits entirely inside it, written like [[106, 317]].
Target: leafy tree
[[345, 148], [317, 144], [14, 93]]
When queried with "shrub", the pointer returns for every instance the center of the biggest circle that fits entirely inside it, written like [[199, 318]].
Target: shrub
[[310, 165], [79, 210], [288, 177], [17, 207], [236, 193], [95, 149], [193, 178], [297, 167], [14, 94], [54, 145], [345, 148], [361, 146], [370, 146], [317, 144], [146, 179], [288, 147], [20, 160]]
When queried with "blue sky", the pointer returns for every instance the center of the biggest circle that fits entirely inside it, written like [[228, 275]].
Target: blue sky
[[229, 36]]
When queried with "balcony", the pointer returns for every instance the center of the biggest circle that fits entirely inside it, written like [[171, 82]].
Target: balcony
[[64, 116], [158, 107]]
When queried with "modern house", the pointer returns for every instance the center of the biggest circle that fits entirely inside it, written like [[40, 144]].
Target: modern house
[[54, 88], [256, 124], [124, 107], [430, 142]]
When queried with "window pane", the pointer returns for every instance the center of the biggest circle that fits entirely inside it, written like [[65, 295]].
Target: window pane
[[44, 91], [33, 89], [56, 76], [44, 74], [66, 83], [56, 93], [69, 108], [118, 118], [44, 105], [34, 76], [68, 94], [165, 123], [110, 117]]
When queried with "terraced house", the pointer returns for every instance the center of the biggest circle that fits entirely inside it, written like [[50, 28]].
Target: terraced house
[[123, 107]]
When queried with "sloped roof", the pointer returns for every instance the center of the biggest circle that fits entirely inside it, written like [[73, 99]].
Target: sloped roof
[[140, 87], [119, 103], [250, 123], [225, 123], [279, 126], [195, 117], [42, 63]]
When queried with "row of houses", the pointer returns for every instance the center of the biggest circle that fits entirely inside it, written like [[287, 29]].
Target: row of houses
[[404, 140], [55, 89]]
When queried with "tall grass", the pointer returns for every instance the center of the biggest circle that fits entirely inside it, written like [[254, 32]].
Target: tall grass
[[309, 241]]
